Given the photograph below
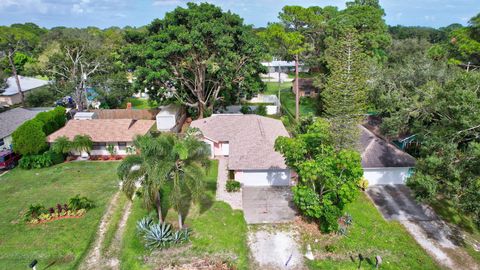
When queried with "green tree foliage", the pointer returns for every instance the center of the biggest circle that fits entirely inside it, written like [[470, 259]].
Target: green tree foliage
[[447, 124], [328, 178], [464, 44], [198, 55], [29, 138], [52, 120], [62, 145], [82, 143], [344, 97], [42, 97]]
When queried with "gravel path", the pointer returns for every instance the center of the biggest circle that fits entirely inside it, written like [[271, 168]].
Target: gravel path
[[234, 199]]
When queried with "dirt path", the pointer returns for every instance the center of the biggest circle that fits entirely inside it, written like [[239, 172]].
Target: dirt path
[[95, 259]]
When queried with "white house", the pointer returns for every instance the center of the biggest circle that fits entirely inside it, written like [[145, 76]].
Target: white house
[[248, 142], [11, 95], [382, 162], [117, 132]]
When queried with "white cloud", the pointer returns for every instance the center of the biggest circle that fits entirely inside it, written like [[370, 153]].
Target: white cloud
[[168, 2], [26, 5]]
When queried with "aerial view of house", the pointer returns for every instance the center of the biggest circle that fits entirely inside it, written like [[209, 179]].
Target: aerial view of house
[[240, 135]]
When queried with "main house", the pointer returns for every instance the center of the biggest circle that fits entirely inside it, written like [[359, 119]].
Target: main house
[[12, 96], [117, 132], [10, 120], [248, 143]]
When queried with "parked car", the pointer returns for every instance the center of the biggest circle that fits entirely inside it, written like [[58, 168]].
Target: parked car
[[8, 159]]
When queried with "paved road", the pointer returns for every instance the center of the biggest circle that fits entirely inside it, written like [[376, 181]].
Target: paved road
[[268, 204], [439, 239]]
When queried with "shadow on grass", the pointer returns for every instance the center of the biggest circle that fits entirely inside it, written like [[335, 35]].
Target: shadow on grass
[[446, 210]]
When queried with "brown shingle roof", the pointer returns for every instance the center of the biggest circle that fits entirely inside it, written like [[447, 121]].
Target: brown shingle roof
[[251, 139], [377, 153], [104, 130]]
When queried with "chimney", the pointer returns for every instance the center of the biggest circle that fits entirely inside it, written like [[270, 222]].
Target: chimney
[[129, 105]]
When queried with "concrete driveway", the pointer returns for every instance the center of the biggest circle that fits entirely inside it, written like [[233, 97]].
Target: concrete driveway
[[439, 239], [267, 204]]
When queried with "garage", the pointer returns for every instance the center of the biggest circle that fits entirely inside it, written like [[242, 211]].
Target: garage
[[382, 162], [386, 176], [263, 177]]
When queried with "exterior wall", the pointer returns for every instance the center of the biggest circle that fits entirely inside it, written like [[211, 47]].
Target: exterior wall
[[7, 143], [11, 100], [166, 122], [105, 152], [387, 176], [211, 144], [272, 109], [264, 177]]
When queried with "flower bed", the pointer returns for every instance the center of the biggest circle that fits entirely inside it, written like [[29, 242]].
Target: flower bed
[[77, 207]]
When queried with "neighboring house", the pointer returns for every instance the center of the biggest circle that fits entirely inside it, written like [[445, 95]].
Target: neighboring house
[[11, 95], [171, 118], [306, 87], [248, 142], [283, 66], [271, 102], [117, 132], [382, 162], [11, 120]]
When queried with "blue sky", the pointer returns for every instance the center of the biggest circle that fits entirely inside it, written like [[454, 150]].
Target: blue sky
[[105, 13]]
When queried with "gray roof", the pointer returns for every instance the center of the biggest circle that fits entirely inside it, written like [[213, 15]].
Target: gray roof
[[11, 119], [26, 83], [377, 153], [251, 139]]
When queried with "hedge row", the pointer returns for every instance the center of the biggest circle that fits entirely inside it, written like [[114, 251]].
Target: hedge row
[[30, 137], [47, 159]]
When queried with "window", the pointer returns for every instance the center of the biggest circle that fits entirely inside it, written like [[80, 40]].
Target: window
[[2, 142], [122, 145], [99, 146]]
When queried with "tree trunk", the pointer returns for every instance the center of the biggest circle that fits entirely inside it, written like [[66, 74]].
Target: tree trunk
[[200, 110], [297, 98], [17, 80], [180, 221], [158, 205]]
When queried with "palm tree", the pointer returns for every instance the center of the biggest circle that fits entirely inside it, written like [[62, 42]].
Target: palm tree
[[180, 162], [82, 143], [62, 145], [188, 161]]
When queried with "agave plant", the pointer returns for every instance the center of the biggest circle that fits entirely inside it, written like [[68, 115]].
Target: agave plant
[[158, 236], [143, 225]]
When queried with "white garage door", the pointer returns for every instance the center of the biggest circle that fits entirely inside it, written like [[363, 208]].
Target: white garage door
[[386, 176], [263, 177]]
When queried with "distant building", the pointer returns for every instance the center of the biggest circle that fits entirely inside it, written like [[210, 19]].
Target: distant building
[[306, 87], [283, 66], [11, 120], [11, 95], [170, 118]]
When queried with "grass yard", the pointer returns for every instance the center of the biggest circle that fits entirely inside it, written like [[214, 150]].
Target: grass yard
[[447, 212], [217, 232], [62, 243], [370, 235], [307, 105], [141, 103]]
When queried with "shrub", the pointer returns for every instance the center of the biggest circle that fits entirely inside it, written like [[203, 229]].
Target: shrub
[[111, 149], [245, 109], [62, 145], [40, 98], [363, 183], [77, 203], [232, 185], [44, 160], [29, 138], [261, 110], [160, 235], [52, 120]]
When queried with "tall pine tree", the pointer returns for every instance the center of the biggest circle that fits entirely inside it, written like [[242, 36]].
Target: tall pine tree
[[344, 96]]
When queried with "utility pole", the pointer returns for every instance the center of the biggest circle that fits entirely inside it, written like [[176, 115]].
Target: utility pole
[[279, 85], [297, 98]]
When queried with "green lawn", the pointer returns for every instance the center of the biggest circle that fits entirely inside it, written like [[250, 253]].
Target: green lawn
[[448, 212], [217, 231], [307, 105], [370, 235], [141, 103], [62, 243]]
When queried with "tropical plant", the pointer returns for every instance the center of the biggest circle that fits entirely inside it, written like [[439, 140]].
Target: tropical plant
[[82, 143], [158, 236], [144, 224], [62, 145], [34, 210], [166, 158], [111, 149], [77, 203]]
